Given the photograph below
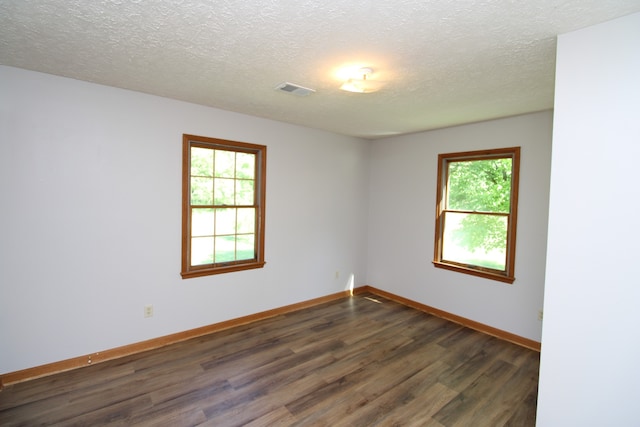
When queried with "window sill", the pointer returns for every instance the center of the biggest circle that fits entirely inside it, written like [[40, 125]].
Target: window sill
[[209, 271], [475, 272]]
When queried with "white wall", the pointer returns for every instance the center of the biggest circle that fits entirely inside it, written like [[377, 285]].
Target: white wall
[[590, 371], [90, 205], [402, 223]]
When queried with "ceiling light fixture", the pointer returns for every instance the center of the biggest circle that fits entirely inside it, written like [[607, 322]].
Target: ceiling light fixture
[[361, 82]]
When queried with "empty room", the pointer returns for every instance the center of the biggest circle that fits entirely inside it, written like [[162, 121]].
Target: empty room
[[358, 213]]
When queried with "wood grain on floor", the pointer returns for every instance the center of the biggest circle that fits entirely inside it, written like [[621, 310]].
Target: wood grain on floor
[[350, 362]]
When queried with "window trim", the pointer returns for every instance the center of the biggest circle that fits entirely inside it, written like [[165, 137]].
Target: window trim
[[508, 276], [189, 271]]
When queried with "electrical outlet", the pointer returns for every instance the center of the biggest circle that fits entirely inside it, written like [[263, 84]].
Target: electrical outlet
[[540, 315], [337, 275], [148, 310]]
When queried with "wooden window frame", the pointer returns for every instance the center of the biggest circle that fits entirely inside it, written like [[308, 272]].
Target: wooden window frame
[[507, 276], [188, 141]]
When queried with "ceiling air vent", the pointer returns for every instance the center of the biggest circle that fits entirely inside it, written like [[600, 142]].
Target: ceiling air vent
[[294, 89]]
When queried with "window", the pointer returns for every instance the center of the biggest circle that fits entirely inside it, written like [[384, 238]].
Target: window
[[476, 209], [223, 199]]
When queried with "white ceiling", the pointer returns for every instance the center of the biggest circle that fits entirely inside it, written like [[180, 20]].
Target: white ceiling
[[443, 63]]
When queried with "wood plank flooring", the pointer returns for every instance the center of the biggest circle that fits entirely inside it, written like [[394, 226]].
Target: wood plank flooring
[[359, 361]]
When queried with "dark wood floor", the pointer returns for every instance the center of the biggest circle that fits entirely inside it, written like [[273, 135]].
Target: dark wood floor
[[352, 362]]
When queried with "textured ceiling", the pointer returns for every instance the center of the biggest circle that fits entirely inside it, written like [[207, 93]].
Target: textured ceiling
[[443, 63]]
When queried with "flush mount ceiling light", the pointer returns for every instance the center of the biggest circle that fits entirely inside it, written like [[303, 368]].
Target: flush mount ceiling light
[[361, 82]]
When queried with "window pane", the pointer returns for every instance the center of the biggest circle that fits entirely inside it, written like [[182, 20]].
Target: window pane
[[224, 189], [246, 220], [225, 248], [225, 221], [245, 165], [201, 191], [202, 222], [245, 245], [225, 164], [201, 250], [201, 161], [244, 195], [480, 185], [475, 239]]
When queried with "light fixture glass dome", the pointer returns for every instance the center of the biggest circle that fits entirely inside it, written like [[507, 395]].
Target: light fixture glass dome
[[361, 82]]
